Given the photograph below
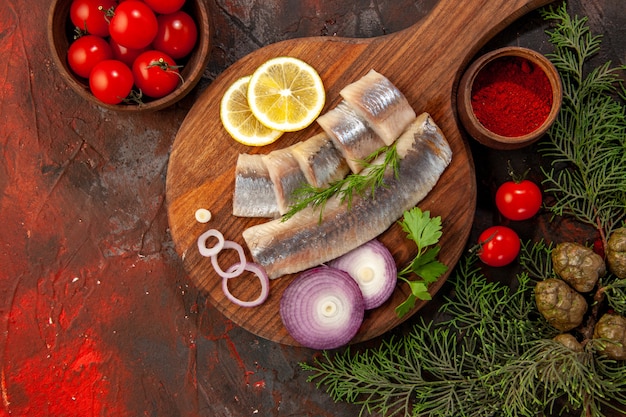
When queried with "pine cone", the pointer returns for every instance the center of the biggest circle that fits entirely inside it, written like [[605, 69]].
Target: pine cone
[[561, 306], [612, 328], [616, 252], [569, 341], [578, 265]]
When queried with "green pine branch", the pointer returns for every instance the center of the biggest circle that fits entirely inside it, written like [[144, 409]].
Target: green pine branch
[[492, 354], [587, 142]]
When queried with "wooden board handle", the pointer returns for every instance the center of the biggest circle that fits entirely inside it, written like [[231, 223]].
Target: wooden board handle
[[448, 37]]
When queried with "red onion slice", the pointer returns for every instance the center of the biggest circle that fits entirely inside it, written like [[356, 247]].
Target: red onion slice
[[322, 308], [239, 267], [263, 279], [212, 251], [373, 268], [234, 270]]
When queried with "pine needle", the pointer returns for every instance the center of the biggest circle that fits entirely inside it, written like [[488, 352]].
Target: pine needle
[[492, 354], [587, 143]]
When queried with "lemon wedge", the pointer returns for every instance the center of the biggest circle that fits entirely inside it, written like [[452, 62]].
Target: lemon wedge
[[239, 121], [286, 94]]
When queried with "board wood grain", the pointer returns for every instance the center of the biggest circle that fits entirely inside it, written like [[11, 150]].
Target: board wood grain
[[425, 61]]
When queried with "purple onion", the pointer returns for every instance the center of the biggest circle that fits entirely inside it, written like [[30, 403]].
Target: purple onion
[[214, 250], [260, 274], [240, 266], [322, 308], [372, 266]]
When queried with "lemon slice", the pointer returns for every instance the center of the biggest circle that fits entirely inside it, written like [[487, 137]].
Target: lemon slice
[[286, 94], [239, 121]]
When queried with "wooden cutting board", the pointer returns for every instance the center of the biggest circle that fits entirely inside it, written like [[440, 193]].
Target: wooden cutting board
[[424, 61]]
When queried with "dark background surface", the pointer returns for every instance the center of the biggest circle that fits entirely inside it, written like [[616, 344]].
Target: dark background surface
[[97, 316]]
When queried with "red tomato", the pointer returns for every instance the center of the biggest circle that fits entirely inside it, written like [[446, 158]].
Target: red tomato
[[90, 15], [156, 74], [165, 6], [177, 34], [499, 246], [134, 25], [85, 52], [111, 81], [124, 54], [518, 200]]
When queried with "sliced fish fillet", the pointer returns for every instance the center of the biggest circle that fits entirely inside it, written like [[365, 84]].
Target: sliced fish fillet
[[285, 172], [386, 110], [254, 194], [319, 160], [303, 241], [264, 184], [351, 134]]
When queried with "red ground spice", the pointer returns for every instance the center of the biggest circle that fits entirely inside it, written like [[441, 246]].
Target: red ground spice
[[511, 96]]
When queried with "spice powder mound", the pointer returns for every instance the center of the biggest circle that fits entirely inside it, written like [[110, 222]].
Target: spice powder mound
[[511, 96]]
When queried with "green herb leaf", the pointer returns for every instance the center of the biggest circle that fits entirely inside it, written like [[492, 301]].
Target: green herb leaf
[[420, 228], [406, 306], [425, 258], [420, 288], [430, 271], [425, 231]]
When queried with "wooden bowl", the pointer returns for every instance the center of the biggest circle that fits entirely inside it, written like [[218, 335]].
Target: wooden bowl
[[466, 109], [61, 32]]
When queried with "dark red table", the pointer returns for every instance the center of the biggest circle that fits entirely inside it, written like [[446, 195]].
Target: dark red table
[[97, 316]]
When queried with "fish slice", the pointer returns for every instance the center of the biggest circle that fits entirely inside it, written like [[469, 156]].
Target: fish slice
[[425, 61]]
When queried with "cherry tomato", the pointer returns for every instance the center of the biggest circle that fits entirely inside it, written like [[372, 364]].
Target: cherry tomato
[[177, 34], [85, 52], [124, 54], [156, 74], [111, 81], [134, 25], [518, 200], [165, 6], [500, 246], [90, 16]]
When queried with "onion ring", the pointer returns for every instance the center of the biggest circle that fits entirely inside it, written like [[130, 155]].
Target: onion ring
[[213, 251], [257, 270], [240, 266], [234, 270]]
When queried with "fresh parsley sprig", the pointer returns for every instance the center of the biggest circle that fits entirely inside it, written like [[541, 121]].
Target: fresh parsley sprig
[[425, 231]]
